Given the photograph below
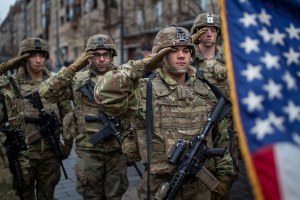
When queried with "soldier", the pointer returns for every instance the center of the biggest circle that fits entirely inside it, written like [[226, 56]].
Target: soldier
[[210, 60], [6, 179], [181, 104], [101, 170], [40, 164]]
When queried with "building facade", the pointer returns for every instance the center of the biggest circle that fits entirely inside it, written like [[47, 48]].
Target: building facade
[[67, 24]]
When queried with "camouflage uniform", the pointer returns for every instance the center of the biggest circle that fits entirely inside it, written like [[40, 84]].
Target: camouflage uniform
[[40, 167], [6, 179], [214, 70], [179, 112], [101, 170]]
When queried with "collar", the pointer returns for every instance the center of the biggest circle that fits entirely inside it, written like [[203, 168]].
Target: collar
[[190, 76], [22, 73], [218, 55]]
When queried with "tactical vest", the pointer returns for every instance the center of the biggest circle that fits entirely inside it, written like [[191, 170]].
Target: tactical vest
[[179, 112], [214, 70], [31, 129], [86, 106]]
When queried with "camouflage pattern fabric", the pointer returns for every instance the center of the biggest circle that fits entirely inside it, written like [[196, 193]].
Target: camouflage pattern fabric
[[44, 173], [6, 178], [33, 44], [214, 70], [40, 167], [101, 41], [93, 166], [172, 36], [205, 19], [89, 180], [178, 112], [191, 189]]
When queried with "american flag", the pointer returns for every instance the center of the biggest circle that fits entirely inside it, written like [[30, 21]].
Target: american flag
[[262, 48]]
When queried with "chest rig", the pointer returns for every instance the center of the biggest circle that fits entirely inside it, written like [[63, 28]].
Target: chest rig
[[88, 118], [178, 112], [214, 70], [24, 88]]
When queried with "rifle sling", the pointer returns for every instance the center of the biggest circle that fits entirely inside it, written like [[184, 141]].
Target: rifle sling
[[92, 119], [149, 127], [15, 87], [87, 90]]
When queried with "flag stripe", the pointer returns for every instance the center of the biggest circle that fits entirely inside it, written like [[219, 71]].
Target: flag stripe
[[287, 161], [267, 172]]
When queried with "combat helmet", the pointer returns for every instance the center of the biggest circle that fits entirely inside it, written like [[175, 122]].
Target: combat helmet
[[101, 41], [33, 44], [172, 36], [205, 19]]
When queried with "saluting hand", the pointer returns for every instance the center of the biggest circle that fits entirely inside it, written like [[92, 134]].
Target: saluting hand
[[13, 63], [81, 62], [154, 61], [196, 38]]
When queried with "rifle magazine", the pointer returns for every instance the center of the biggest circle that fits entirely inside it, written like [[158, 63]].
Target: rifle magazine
[[207, 178]]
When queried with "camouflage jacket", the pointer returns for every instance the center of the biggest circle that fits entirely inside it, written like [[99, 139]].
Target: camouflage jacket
[[6, 179], [80, 89], [178, 111], [214, 70], [22, 110]]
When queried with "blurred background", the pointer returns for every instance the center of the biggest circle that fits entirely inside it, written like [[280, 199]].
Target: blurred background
[[67, 24]]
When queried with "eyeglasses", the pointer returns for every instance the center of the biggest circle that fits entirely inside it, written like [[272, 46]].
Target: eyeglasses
[[97, 56]]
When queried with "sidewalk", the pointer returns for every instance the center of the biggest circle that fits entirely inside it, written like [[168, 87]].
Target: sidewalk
[[66, 189]]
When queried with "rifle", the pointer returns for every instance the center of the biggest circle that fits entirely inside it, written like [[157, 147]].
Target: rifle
[[14, 144], [111, 128], [197, 154], [49, 125]]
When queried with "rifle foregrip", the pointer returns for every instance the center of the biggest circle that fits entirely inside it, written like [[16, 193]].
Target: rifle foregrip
[[175, 186], [18, 177]]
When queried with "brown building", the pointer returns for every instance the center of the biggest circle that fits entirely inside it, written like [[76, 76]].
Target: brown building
[[67, 24]]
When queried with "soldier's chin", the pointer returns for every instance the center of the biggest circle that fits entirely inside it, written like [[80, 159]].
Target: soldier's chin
[[179, 71], [209, 44]]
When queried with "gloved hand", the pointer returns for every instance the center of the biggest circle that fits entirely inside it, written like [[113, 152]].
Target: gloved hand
[[130, 147], [66, 149], [154, 61], [80, 63], [13, 63], [196, 37]]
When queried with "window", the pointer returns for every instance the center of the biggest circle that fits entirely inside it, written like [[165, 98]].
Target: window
[[89, 5], [140, 17], [62, 20], [61, 3], [69, 13], [158, 12], [203, 4]]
